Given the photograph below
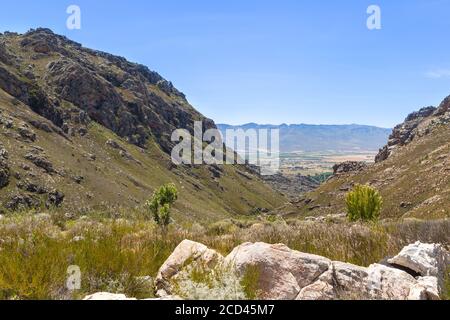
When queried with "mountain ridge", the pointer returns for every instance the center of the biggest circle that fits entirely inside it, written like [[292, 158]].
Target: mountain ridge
[[317, 138]]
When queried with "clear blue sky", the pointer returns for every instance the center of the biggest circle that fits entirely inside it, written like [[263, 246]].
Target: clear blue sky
[[284, 61]]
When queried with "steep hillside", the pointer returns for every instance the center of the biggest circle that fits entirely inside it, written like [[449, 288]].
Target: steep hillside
[[412, 172], [83, 130], [314, 138]]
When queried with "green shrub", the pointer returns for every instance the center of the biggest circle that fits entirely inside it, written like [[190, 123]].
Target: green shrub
[[160, 203], [363, 203]]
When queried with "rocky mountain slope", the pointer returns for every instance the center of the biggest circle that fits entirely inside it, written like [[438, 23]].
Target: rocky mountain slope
[[85, 130], [320, 138], [412, 172]]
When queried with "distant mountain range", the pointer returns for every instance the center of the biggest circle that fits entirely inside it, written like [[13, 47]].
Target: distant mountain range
[[319, 138]]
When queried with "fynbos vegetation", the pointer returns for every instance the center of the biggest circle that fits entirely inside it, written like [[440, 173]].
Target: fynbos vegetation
[[114, 255], [160, 203], [363, 203]]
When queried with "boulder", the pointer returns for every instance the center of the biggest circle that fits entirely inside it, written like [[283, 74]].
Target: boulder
[[424, 259], [344, 281], [187, 253], [386, 283], [283, 272], [105, 296]]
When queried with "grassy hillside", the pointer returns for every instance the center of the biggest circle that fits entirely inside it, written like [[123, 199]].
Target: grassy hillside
[[112, 183], [414, 181]]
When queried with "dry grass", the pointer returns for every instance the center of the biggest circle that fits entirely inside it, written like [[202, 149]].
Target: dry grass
[[34, 258], [35, 252]]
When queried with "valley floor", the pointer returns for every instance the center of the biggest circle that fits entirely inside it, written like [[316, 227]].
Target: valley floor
[[317, 163]]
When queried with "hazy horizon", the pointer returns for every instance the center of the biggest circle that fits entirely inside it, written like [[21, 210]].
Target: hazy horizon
[[300, 124]]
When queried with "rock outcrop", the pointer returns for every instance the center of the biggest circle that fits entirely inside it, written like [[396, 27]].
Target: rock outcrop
[[423, 259], [80, 85], [349, 166], [40, 161], [285, 274], [416, 124], [444, 107]]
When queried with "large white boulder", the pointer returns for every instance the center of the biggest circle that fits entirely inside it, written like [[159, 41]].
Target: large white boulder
[[187, 253], [377, 282], [104, 296], [282, 272], [424, 259]]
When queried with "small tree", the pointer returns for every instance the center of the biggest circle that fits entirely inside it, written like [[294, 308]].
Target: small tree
[[363, 203], [161, 202]]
